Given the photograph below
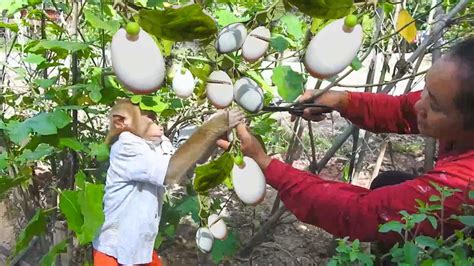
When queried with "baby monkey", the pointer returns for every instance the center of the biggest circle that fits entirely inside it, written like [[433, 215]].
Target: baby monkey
[[139, 168]]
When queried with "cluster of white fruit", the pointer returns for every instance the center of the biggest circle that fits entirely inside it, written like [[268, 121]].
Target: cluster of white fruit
[[143, 70]]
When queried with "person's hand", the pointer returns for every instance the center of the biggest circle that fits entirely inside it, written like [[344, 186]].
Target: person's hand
[[249, 146], [333, 99]]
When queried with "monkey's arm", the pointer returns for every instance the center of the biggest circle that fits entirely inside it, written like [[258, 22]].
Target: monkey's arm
[[200, 143]]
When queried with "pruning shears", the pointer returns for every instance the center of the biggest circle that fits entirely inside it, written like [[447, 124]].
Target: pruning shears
[[297, 109]]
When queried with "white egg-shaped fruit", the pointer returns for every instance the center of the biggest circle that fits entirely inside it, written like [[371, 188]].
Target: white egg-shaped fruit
[[333, 49], [137, 62], [248, 95], [256, 44], [218, 229], [219, 89], [183, 83], [249, 182], [204, 239], [231, 38]]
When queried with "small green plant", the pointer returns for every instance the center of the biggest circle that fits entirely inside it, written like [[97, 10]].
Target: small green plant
[[416, 249]]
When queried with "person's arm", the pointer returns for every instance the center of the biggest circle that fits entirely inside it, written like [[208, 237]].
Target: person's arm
[[133, 160], [347, 210], [374, 112], [382, 113]]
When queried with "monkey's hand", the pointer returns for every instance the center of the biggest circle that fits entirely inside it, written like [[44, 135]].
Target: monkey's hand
[[236, 117], [201, 143]]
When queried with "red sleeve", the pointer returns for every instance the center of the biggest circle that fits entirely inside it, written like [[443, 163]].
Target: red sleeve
[[347, 210], [382, 113]]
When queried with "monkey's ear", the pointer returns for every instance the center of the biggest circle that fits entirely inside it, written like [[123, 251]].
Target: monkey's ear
[[119, 122]]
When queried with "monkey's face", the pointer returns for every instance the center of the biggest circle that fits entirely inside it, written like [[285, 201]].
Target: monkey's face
[[149, 128]]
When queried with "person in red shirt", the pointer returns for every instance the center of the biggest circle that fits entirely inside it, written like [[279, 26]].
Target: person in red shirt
[[443, 110]]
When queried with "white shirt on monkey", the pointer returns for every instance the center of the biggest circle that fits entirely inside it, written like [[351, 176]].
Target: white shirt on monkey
[[133, 200]]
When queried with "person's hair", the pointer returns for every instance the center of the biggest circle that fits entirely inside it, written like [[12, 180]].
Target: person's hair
[[463, 54]]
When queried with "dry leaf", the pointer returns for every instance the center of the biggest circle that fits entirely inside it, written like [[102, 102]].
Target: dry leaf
[[408, 32]]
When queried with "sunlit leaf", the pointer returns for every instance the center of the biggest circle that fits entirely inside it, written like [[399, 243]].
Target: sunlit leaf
[[34, 59], [293, 25], [69, 206], [426, 241], [190, 205], [225, 17], [289, 83], [11, 26], [96, 22], [72, 143], [406, 25], [410, 251], [3, 160], [63, 45], [90, 200]]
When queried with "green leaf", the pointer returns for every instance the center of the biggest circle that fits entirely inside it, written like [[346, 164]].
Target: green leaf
[[279, 43], [18, 132], [80, 178], [11, 26], [94, 92], [189, 206], [293, 25], [225, 17], [467, 220], [49, 123], [3, 160], [356, 64], [471, 194], [100, 151], [426, 241], [418, 218], [224, 248], [289, 83], [72, 143], [90, 200], [96, 22], [150, 103], [7, 183], [394, 226], [50, 258], [35, 227], [212, 174], [410, 252], [433, 221], [40, 152], [257, 77], [435, 198], [186, 23], [328, 9], [441, 262], [44, 83], [34, 59], [388, 8], [61, 45], [69, 206]]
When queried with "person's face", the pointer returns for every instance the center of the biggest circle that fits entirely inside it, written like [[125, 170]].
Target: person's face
[[153, 131], [437, 114]]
